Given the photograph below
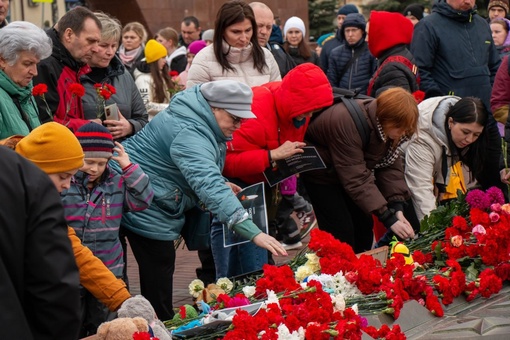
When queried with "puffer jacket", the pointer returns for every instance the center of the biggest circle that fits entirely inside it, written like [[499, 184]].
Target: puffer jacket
[[127, 97], [58, 71], [11, 122], [455, 53], [339, 144], [182, 151], [205, 67], [359, 73], [424, 154], [95, 214], [329, 46], [304, 89]]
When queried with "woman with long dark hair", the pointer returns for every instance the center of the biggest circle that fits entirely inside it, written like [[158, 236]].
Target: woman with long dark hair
[[235, 53], [450, 129], [295, 44]]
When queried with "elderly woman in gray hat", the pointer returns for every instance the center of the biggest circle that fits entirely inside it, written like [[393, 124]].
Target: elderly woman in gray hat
[[183, 152], [22, 46]]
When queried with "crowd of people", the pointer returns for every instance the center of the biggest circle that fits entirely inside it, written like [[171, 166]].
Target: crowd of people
[[85, 170]]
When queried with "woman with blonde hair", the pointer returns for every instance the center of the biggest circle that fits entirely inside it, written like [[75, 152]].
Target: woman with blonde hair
[[361, 180], [176, 56], [131, 50]]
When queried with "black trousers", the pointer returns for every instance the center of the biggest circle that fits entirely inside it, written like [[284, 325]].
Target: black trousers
[[156, 266], [337, 214]]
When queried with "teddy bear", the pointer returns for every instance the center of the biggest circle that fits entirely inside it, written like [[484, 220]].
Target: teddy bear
[[138, 306], [121, 328]]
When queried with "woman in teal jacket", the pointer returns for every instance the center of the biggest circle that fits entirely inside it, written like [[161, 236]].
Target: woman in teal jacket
[[182, 151], [22, 46]]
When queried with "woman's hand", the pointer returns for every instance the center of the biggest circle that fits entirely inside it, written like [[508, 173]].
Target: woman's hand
[[119, 128], [286, 150], [122, 157], [270, 243], [235, 188], [505, 176], [402, 229]]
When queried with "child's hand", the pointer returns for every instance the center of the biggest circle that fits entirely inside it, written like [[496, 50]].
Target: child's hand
[[122, 157]]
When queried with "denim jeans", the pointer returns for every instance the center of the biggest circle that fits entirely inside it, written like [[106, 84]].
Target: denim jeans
[[235, 260]]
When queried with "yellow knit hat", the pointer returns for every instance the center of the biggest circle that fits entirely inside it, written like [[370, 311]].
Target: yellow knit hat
[[154, 51], [53, 148]]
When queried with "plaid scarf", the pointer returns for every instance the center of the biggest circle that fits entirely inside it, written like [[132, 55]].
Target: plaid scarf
[[393, 151]]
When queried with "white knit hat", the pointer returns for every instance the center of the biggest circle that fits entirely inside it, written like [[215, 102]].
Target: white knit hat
[[294, 22]]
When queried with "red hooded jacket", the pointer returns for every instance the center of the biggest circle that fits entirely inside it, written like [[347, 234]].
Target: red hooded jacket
[[304, 89]]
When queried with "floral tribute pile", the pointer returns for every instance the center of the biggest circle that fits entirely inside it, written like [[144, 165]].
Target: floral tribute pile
[[325, 292]]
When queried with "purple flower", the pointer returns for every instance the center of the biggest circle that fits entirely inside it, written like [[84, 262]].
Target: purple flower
[[478, 199], [495, 195]]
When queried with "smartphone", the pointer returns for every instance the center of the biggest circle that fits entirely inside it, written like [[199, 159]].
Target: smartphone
[[111, 112]]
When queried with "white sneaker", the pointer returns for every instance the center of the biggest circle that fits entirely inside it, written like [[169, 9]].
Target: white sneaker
[[292, 246]]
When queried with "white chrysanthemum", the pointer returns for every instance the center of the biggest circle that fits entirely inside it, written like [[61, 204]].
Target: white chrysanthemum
[[249, 291], [196, 287], [303, 272], [341, 285], [338, 302], [285, 334], [225, 284], [326, 280]]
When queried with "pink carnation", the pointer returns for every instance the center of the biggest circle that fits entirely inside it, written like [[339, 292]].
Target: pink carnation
[[456, 241], [496, 207], [478, 199]]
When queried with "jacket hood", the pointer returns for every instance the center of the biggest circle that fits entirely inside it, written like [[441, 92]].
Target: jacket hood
[[191, 105], [60, 53], [276, 35], [441, 7], [432, 116], [304, 89], [387, 30]]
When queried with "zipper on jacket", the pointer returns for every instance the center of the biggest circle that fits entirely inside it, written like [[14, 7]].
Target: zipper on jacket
[[103, 208], [108, 204]]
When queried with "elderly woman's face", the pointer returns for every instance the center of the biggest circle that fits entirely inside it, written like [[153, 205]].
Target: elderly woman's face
[[227, 122], [105, 53], [23, 70], [239, 35]]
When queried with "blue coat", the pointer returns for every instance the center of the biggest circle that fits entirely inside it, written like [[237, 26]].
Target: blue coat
[[182, 150], [455, 53]]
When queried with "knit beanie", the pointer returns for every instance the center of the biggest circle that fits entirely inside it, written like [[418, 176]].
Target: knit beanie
[[96, 141], [154, 51], [294, 22], [325, 37], [347, 9], [416, 10], [208, 35], [196, 46], [501, 3], [388, 29], [52, 147], [354, 20]]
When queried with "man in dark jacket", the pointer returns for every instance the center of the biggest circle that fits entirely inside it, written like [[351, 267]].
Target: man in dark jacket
[[39, 280], [75, 38], [455, 55], [266, 30], [338, 39], [351, 65]]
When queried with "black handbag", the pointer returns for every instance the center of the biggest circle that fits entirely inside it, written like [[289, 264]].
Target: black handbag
[[196, 231]]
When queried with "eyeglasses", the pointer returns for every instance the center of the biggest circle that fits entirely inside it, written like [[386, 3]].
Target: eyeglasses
[[236, 119]]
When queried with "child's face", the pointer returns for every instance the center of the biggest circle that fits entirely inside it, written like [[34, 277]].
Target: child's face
[[94, 167], [62, 180], [190, 57]]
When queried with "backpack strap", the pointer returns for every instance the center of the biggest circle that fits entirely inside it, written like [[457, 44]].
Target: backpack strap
[[359, 119], [391, 59]]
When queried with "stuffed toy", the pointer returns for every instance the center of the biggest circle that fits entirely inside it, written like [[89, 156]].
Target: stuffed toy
[[210, 293], [121, 328], [138, 306]]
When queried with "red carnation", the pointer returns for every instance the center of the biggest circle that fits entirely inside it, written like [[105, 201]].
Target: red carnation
[[77, 90], [39, 90], [174, 74]]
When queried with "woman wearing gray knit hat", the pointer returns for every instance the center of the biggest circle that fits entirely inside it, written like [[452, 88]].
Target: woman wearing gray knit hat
[[183, 152]]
